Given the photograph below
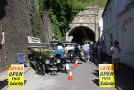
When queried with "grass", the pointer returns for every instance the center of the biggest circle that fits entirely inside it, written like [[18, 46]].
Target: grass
[[100, 3]]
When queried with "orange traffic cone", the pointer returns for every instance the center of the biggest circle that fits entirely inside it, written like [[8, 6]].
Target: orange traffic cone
[[70, 77], [76, 63]]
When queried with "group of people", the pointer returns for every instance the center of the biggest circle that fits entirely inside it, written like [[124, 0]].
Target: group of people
[[95, 52], [63, 51]]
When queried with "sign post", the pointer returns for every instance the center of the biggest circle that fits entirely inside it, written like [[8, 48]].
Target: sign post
[[16, 75], [106, 76]]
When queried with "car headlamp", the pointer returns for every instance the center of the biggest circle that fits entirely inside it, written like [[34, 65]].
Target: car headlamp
[[47, 61], [58, 61]]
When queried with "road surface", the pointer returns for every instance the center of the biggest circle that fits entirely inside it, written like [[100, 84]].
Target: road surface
[[85, 77]]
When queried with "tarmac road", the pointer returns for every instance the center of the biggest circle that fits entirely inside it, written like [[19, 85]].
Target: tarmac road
[[84, 78]]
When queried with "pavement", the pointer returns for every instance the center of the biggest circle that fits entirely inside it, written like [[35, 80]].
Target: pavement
[[4, 78], [126, 77], [85, 77]]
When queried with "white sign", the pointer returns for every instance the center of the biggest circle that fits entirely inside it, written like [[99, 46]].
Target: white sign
[[3, 38], [33, 40], [67, 67]]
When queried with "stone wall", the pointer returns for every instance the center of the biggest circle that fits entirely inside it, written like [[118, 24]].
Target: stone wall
[[16, 25], [88, 18]]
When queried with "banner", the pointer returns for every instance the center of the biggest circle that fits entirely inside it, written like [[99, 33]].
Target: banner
[[16, 75], [33, 40], [106, 76]]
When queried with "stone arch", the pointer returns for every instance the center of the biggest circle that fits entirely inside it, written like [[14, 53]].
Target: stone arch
[[81, 33]]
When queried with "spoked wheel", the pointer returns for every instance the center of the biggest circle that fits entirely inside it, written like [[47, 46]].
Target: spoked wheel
[[40, 69], [53, 72], [44, 69], [70, 54], [64, 67], [33, 66]]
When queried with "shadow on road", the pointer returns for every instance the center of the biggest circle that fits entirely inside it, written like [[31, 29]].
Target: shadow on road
[[96, 81], [3, 84], [25, 81], [126, 77], [96, 73]]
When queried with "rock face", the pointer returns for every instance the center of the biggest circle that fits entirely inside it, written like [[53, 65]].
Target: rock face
[[16, 25], [46, 32]]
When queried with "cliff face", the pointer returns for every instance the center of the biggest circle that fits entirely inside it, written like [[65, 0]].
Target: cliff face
[[16, 25], [15, 22], [46, 32]]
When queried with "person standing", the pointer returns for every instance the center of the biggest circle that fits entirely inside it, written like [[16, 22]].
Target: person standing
[[115, 52], [76, 51], [99, 52], [59, 50], [104, 60], [91, 52], [116, 59], [85, 49]]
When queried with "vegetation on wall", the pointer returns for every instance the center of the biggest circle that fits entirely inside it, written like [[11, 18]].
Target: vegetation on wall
[[63, 11], [41, 7], [36, 17]]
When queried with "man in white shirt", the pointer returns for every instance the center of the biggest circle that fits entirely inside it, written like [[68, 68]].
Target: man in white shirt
[[85, 49]]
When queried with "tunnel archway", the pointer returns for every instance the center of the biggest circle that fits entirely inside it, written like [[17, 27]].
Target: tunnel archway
[[82, 33]]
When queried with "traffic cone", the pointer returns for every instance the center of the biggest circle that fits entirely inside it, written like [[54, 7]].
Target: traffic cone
[[76, 63], [70, 77]]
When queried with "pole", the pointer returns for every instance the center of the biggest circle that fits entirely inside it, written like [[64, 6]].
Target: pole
[[3, 43]]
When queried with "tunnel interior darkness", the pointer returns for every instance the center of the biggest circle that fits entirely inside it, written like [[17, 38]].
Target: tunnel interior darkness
[[81, 34]]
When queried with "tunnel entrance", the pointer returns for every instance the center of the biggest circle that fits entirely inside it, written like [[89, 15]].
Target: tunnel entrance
[[81, 34]]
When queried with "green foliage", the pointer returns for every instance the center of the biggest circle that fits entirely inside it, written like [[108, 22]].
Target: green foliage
[[38, 16], [45, 55], [35, 16], [85, 3], [41, 7], [37, 25], [62, 12], [59, 14]]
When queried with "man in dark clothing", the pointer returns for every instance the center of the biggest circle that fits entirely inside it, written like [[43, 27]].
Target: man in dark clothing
[[91, 52], [77, 51]]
